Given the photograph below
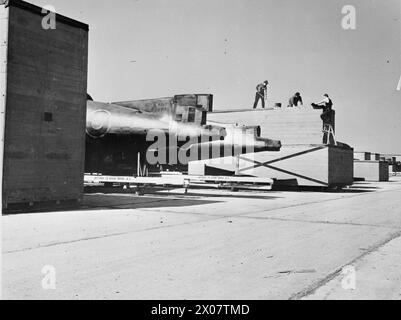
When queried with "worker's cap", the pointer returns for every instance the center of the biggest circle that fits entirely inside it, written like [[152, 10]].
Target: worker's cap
[[326, 95], [297, 94], [266, 82]]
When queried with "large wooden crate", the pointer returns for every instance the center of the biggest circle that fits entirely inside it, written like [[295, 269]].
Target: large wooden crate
[[300, 165], [44, 88], [358, 155], [371, 170], [304, 159]]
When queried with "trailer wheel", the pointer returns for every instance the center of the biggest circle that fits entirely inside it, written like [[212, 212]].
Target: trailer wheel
[[138, 191]]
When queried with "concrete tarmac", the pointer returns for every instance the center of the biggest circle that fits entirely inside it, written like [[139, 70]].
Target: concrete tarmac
[[210, 244]]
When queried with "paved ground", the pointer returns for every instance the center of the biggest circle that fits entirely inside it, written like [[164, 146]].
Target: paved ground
[[374, 276], [210, 245]]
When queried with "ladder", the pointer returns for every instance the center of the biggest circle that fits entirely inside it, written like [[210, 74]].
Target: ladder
[[327, 132]]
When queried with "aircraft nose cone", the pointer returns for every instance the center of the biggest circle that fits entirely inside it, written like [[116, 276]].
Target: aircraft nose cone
[[98, 123]]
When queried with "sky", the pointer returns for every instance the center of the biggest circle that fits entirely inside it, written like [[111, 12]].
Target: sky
[[142, 49]]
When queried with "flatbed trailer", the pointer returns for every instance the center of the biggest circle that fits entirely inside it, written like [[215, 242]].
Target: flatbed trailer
[[181, 181]]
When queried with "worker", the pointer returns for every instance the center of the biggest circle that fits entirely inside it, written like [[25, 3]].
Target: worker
[[261, 93], [327, 105], [295, 100]]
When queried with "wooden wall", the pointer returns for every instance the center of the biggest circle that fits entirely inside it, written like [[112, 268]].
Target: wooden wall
[[292, 126], [341, 169], [45, 109]]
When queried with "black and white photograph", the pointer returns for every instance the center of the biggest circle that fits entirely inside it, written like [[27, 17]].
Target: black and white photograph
[[200, 150]]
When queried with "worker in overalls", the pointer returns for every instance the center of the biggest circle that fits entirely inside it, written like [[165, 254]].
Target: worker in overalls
[[327, 105], [295, 101], [261, 93]]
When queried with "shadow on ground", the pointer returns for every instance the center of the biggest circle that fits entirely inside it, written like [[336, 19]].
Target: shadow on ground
[[110, 201], [353, 189], [191, 193]]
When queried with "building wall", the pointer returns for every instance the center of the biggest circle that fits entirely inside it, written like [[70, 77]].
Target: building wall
[[44, 146]]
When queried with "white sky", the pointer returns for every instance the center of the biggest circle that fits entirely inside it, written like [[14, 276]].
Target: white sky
[[154, 48]]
